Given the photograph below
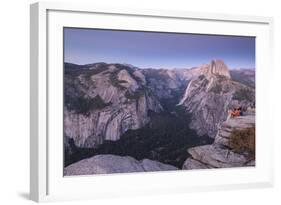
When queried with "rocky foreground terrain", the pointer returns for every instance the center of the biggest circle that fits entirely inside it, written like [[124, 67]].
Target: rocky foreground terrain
[[109, 164], [157, 114], [219, 154]]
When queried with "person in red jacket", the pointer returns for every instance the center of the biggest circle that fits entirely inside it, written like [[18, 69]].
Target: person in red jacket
[[236, 112]]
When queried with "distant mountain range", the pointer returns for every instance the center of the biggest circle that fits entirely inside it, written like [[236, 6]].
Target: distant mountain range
[[104, 102]]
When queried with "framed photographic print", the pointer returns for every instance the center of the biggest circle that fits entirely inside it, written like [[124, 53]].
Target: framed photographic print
[[127, 102]]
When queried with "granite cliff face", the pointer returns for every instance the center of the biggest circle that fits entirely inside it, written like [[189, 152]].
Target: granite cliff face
[[102, 101], [220, 154], [209, 96]]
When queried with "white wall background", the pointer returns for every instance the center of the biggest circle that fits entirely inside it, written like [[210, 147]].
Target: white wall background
[[14, 101]]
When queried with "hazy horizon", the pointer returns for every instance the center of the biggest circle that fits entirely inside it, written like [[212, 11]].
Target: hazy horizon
[[156, 50], [157, 68]]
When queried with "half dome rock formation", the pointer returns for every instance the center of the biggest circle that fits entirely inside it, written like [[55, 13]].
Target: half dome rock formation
[[220, 154], [215, 68], [209, 96], [109, 164], [218, 67]]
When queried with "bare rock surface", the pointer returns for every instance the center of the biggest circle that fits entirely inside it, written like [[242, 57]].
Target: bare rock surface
[[108, 164], [191, 163], [218, 154]]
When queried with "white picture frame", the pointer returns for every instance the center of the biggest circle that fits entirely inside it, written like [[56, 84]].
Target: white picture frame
[[46, 174]]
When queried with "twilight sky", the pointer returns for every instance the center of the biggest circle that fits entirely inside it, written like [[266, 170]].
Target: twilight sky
[[156, 50]]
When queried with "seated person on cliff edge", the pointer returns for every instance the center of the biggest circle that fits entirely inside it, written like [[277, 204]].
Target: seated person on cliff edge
[[235, 112]]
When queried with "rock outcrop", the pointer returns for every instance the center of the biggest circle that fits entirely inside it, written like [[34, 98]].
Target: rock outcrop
[[219, 154], [209, 96], [109, 164]]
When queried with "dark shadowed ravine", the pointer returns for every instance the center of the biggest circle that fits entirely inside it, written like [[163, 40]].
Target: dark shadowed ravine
[[166, 139]]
